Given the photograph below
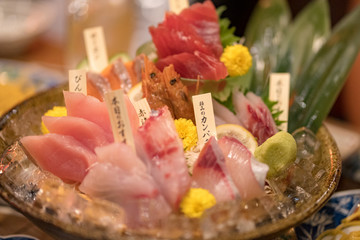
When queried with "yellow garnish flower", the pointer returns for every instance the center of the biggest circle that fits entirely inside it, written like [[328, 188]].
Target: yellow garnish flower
[[187, 132], [237, 60], [57, 111], [196, 201]]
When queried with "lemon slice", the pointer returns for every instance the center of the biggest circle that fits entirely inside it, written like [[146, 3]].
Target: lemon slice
[[135, 93], [238, 132]]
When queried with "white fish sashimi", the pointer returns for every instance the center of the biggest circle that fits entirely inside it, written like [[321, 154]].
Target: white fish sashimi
[[224, 115], [136, 192], [210, 173], [254, 115], [121, 155], [160, 146], [238, 161]]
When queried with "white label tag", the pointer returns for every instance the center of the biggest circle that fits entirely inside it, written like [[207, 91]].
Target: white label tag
[[119, 117], [176, 6], [279, 90], [204, 117], [143, 110], [96, 48], [77, 81]]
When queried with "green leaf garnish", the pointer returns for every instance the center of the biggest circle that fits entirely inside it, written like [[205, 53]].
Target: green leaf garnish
[[275, 113], [227, 36]]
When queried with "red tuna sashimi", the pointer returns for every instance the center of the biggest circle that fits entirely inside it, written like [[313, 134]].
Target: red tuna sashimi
[[92, 109], [195, 65], [63, 156], [254, 115], [160, 146], [238, 162], [174, 36], [204, 18], [210, 172], [120, 155], [88, 133], [135, 191]]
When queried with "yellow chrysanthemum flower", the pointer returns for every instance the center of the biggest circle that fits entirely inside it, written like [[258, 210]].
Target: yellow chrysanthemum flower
[[237, 60], [196, 201], [187, 132], [57, 111]]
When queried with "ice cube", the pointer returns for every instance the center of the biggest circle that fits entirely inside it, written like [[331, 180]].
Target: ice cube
[[307, 143]]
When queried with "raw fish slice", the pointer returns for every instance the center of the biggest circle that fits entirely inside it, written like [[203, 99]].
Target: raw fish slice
[[63, 156], [177, 23], [224, 114], [219, 120], [92, 109], [254, 115], [160, 146], [88, 107], [136, 68], [210, 173], [118, 76], [120, 155], [88, 133], [133, 117], [238, 162], [175, 35], [204, 18], [97, 85], [135, 191], [195, 65]]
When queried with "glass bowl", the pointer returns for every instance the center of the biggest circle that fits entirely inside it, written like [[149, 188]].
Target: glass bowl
[[64, 213]]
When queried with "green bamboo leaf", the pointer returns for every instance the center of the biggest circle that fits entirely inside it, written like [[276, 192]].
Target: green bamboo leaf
[[263, 36], [305, 35], [322, 79]]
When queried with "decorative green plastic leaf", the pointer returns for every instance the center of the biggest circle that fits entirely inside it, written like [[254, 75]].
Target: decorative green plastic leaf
[[263, 36], [323, 77], [305, 35]]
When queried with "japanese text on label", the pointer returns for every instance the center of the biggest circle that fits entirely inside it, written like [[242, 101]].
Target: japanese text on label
[[119, 117], [77, 81], [143, 110], [204, 117], [279, 91], [96, 48]]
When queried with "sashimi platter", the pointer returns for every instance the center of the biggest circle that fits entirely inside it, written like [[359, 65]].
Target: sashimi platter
[[201, 135]]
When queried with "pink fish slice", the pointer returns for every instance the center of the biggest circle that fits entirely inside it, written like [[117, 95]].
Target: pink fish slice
[[210, 173], [92, 109], [61, 155], [121, 155], [254, 115], [238, 162], [135, 191], [86, 132], [159, 145]]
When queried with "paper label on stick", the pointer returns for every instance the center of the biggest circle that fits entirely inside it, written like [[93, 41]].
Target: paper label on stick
[[77, 81], [96, 48], [176, 6], [143, 110], [204, 117], [119, 117], [279, 90]]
